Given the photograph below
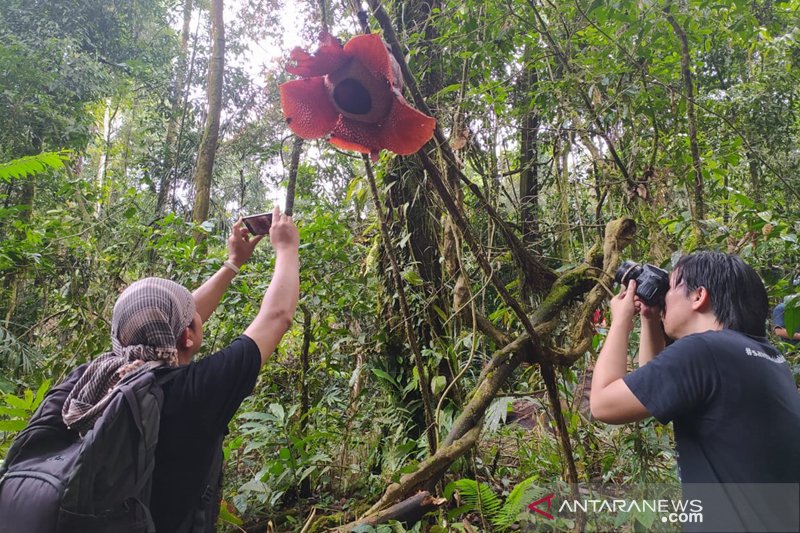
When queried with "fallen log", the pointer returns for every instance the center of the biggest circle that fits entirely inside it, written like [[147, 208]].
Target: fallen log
[[410, 510]]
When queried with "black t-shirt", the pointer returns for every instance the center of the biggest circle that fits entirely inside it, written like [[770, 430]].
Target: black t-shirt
[[734, 403], [198, 404], [735, 408]]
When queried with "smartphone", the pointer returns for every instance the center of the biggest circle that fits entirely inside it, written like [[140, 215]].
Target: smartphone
[[258, 224]]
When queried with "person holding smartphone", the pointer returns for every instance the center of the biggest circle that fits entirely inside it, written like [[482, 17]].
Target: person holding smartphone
[[201, 401], [158, 324]]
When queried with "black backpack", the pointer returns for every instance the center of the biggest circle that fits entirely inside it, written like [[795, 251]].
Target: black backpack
[[55, 481]]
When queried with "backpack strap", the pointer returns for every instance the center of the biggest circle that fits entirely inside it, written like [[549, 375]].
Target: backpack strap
[[162, 376], [141, 460]]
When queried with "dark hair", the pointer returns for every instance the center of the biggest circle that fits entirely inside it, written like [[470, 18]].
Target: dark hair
[[738, 296]]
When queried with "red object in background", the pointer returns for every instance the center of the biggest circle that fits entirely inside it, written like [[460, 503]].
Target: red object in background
[[352, 94]]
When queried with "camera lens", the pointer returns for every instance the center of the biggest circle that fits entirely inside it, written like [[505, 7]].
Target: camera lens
[[627, 271]]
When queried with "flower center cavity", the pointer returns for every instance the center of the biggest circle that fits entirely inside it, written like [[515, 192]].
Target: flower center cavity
[[352, 97]]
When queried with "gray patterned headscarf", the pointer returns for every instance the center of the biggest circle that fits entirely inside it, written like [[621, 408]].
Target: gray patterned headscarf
[[148, 318]]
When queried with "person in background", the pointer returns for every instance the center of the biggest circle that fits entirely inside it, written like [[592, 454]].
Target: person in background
[[779, 325]]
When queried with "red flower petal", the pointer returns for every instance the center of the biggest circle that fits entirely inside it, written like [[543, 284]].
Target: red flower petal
[[329, 57], [358, 136], [306, 107], [403, 132], [371, 51], [406, 130]]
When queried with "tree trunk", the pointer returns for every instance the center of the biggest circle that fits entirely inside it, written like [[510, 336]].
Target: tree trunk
[[101, 166], [411, 336], [755, 175], [410, 212], [171, 150], [529, 157], [294, 165], [698, 204], [14, 280], [208, 146], [305, 484], [562, 181]]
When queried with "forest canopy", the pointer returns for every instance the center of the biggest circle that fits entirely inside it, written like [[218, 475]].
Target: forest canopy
[[453, 301]]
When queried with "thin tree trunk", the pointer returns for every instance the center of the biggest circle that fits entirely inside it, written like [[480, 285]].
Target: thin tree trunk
[[562, 183], [171, 152], [529, 156], [15, 279], [305, 484], [208, 146], [101, 166], [698, 204], [297, 148], [755, 175]]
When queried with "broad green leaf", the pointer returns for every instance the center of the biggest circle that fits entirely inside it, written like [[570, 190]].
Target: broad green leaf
[[226, 516], [277, 410], [791, 314], [10, 426], [385, 376], [412, 277], [438, 384], [15, 401], [31, 165], [14, 412]]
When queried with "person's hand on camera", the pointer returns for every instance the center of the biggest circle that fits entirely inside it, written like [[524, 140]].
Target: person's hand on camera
[[623, 308], [650, 313], [241, 244], [283, 234]]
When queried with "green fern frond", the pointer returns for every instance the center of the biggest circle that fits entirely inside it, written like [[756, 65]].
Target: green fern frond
[[521, 495], [480, 497], [15, 355], [475, 497], [33, 164]]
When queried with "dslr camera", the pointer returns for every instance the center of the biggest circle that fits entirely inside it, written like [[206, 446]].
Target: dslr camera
[[652, 283]]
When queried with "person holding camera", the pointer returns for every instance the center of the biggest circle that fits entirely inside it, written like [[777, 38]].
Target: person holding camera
[[729, 392]]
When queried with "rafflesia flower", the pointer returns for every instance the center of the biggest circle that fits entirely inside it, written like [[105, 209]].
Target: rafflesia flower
[[352, 95]]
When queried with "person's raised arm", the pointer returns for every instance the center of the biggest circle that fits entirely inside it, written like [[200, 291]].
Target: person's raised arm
[[240, 249], [611, 400], [280, 301]]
